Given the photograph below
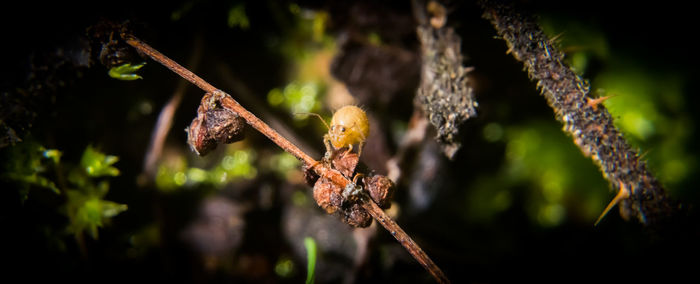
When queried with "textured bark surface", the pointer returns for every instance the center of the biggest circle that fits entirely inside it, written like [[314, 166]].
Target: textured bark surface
[[589, 124], [444, 94]]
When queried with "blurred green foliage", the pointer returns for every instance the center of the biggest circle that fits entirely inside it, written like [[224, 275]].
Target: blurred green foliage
[[283, 164], [284, 267], [143, 240], [237, 17], [85, 206], [649, 109], [308, 33], [235, 164], [28, 164], [296, 97], [309, 48], [540, 158]]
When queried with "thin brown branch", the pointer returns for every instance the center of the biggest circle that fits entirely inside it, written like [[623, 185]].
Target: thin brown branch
[[331, 174], [590, 125], [406, 241], [246, 96]]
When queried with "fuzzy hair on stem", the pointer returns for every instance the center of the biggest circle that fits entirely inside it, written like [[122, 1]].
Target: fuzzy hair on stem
[[589, 125]]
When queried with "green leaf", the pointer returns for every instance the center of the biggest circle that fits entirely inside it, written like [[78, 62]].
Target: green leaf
[[310, 245], [98, 164], [126, 72], [25, 164], [88, 213]]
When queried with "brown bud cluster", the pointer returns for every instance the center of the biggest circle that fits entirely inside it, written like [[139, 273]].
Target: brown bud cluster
[[346, 201], [213, 124], [381, 190]]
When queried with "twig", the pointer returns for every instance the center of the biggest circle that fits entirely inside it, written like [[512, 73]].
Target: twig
[[245, 95], [405, 240], [590, 125], [165, 118], [333, 175]]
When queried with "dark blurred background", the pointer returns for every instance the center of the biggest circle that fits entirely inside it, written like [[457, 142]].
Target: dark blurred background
[[518, 201]]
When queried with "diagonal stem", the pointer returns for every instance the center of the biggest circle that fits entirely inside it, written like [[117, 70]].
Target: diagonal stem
[[406, 241], [331, 174], [588, 123]]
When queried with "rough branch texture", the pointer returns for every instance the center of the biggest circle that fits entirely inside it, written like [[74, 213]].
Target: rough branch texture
[[444, 93], [590, 126]]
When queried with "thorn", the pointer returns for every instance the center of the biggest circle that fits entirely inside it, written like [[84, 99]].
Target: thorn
[[597, 101], [556, 37], [621, 194], [641, 157]]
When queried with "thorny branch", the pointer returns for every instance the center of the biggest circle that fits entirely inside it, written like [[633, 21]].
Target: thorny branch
[[640, 195], [228, 103]]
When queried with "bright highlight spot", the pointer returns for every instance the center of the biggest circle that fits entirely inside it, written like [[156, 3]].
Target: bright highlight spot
[[180, 178], [551, 214], [284, 267]]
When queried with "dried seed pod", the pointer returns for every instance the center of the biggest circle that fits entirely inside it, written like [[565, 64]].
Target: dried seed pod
[[357, 216], [213, 125], [381, 190], [345, 162], [310, 176], [327, 195], [198, 137], [224, 126]]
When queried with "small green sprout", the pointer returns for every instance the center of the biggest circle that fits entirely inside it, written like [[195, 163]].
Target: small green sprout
[[310, 245], [98, 164], [88, 211], [85, 206], [126, 72]]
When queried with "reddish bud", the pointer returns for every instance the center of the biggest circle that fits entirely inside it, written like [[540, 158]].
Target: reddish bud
[[198, 137], [224, 126], [357, 216], [327, 195], [213, 125], [345, 162], [381, 190]]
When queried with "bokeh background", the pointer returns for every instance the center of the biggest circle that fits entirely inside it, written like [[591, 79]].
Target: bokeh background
[[518, 200]]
